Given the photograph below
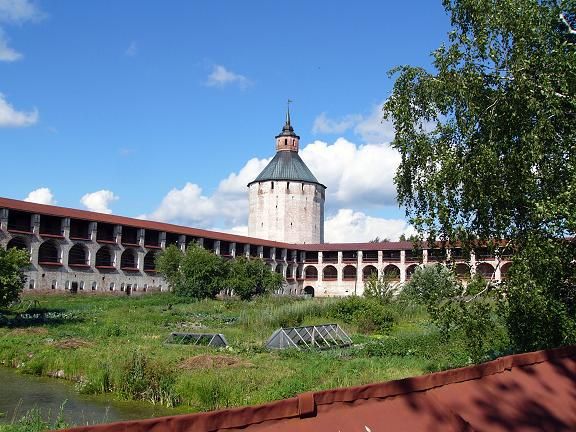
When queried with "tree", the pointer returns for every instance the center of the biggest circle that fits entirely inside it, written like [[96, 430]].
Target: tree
[[12, 278], [488, 151], [196, 273], [377, 239], [379, 288], [252, 277]]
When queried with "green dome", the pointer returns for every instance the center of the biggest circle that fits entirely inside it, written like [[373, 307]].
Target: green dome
[[286, 165]]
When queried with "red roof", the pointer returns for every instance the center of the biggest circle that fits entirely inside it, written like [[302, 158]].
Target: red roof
[[196, 232], [523, 392]]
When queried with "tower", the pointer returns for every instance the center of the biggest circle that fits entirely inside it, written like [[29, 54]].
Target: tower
[[286, 201]]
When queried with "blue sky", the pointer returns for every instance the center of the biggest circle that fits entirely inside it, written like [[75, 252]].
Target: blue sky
[[166, 109]]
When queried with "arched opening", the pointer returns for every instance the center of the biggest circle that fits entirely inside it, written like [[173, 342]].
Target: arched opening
[[280, 269], [291, 272], [78, 256], [504, 269], [368, 271], [17, 243], [49, 253], [150, 262], [104, 258], [410, 271], [462, 271], [129, 260], [349, 272], [485, 270], [309, 291], [392, 273], [329, 273], [311, 273]]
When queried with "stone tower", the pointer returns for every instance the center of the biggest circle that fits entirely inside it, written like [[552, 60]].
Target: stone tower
[[286, 200]]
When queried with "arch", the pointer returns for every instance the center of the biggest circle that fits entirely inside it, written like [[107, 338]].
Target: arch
[[329, 273], [78, 255], [462, 271], [129, 260], [369, 270], [309, 291], [291, 271], [311, 273], [280, 269], [49, 253], [485, 270], [392, 273], [104, 257], [504, 269], [410, 271], [17, 243], [349, 272], [150, 261]]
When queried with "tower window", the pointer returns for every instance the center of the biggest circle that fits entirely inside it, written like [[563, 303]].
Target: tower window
[[285, 141], [272, 187]]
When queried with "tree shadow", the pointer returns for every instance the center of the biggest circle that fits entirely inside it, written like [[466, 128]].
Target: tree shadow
[[38, 316]]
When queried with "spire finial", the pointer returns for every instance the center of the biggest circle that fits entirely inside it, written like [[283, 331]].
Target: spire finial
[[288, 112]]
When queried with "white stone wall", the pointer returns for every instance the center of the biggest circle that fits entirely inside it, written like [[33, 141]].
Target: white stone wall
[[291, 212]]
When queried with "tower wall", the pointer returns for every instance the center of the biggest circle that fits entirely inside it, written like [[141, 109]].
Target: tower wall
[[286, 211]]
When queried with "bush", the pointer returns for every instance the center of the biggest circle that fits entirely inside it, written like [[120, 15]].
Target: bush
[[369, 315]]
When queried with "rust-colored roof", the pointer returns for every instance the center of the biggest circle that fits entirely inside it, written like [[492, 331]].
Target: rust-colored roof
[[133, 222], [523, 392], [178, 229]]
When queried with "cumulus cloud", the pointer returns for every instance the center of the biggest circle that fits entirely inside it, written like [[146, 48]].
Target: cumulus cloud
[[41, 196], [356, 175], [99, 201], [7, 54], [10, 117], [222, 77], [371, 128], [19, 11], [229, 203], [349, 226]]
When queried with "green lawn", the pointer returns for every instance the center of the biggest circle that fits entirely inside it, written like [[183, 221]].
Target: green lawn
[[115, 345]]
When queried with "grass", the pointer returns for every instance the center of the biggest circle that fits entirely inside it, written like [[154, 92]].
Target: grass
[[114, 346]]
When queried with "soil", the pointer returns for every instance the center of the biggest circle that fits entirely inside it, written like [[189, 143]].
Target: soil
[[71, 343]]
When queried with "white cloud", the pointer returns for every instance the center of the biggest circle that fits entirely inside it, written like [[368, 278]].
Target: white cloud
[[221, 77], [370, 128], [99, 201], [132, 49], [356, 175], [41, 196], [229, 203], [7, 54], [9, 117], [349, 226], [324, 124], [19, 11]]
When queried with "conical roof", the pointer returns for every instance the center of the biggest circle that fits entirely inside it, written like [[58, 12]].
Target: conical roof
[[288, 166]]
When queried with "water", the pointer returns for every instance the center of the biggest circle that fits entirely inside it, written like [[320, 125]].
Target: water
[[20, 393]]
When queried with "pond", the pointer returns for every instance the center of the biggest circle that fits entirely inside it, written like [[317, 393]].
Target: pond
[[20, 393]]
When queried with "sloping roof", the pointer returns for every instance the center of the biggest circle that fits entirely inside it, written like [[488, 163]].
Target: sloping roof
[[286, 165], [523, 392]]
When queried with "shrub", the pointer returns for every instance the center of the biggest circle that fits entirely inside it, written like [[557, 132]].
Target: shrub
[[369, 315]]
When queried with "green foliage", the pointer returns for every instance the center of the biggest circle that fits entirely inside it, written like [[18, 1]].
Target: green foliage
[[196, 274], [487, 146], [142, 379], [33, 421], [430, 284], [379, 288], [12, 279], [252, 277], [369, 315]]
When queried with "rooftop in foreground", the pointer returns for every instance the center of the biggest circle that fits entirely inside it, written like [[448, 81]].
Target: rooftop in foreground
[[523, 392]]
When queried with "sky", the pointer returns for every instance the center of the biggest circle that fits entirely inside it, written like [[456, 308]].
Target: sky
[[166, 110]]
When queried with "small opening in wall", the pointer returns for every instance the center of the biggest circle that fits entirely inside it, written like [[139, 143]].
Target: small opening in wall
[[272, 186], [285, 141]]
